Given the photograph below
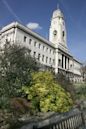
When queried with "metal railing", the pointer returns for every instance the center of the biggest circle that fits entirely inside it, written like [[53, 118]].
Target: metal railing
[[70, 120]]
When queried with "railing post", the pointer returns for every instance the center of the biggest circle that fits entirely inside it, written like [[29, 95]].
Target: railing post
[[72, 121], [35, 126], [82, 117]]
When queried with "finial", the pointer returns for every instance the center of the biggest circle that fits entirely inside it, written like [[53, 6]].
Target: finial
[[58, 6]]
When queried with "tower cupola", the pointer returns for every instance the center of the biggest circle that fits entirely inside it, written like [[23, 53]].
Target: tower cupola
[[57, 13], [57, 32]]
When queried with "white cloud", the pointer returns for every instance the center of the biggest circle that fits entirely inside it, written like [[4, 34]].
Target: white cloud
[[33, 26]]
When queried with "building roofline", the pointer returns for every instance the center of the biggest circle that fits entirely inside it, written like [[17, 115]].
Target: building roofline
[[70, 56], [27, 30], [66, 52], [77, 60]]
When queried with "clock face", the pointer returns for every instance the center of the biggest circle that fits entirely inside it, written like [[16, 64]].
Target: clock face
[[55, 32]]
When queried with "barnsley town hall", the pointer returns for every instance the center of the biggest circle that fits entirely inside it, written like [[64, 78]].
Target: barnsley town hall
[[50, 53]]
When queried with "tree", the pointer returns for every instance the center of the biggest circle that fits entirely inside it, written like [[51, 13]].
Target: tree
[[16, 66], [83, 71], [66, 84], [46, 95]]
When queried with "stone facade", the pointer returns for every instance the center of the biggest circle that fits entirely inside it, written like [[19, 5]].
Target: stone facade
[[58, 36], [53, 53]]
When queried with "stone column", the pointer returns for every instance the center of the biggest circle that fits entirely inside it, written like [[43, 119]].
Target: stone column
[[56, 60], [64, 62], [67, 63]]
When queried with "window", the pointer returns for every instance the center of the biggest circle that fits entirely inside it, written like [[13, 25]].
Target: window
[[6, 40], [63, 33], [50, 50], [29, 51], [34, 54], [25, 38], [47, 49], [53, 52], [50, 60], [55, 32], [39, 45], [43, 58], [30, 41], [53, 61], [43, 47], [59, 62], [38, 57], [34, 44], [46, 59], [71, 66]]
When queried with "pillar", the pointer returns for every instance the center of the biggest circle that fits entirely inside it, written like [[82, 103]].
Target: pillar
[[67, 63], [64, 62], [56, 61]]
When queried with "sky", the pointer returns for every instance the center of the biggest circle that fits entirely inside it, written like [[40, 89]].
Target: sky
[[37, 14]]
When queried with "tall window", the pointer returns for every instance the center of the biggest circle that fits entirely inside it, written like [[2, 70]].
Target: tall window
[[43, 58], [63, 33], [43, 47], [34, 54], [53, 61], [71, 66], [53, 52], [25, 38], [59, 62], [46, 59], [35, 44], [29, 51], [47, 49], [30, 40], [38, 57], [39, 45], [50, 60], [50, 50]]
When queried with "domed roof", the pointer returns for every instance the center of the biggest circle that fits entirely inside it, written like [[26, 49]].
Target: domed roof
[[57, 13]]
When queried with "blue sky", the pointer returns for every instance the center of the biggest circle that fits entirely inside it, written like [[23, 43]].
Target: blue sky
[[40, 13]]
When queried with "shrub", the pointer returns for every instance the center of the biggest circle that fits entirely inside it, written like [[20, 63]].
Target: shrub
[[66, 84], [46, 95], [16, 66], [4, 102]]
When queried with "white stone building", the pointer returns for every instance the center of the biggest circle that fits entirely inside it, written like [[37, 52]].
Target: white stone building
[[53, 53]]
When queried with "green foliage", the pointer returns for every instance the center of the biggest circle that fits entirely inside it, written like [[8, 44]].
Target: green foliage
[[4, 102], [46, 95], [8, 120], [66, 84], [83, 71], [16, 66], [80, 91]]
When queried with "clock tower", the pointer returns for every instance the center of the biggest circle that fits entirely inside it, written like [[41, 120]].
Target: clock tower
[[57, 34]]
